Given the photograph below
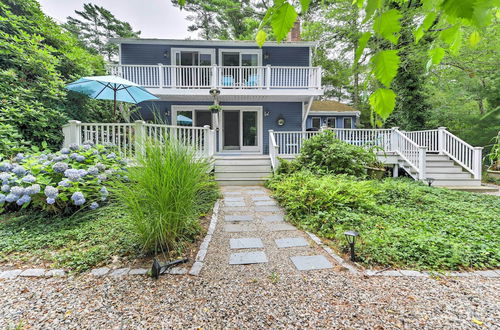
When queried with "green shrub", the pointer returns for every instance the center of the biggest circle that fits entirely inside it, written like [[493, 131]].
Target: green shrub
[[169, 190], [324, 153], [402, 223], [59, 182]]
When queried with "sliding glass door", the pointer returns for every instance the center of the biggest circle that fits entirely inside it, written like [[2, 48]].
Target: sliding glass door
[[192, 67]]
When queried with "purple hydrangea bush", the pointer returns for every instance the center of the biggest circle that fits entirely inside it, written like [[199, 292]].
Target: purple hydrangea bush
[[74, 177]]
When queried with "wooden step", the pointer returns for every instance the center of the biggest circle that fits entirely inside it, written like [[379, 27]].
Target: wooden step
[[242, 175], [457, 183], [444, 169], [233, 162], [240, 182], [243, 168], [449, 175]]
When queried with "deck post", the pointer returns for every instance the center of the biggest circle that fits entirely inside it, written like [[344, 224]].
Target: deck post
[[394, 138], [140, 136], [160, 75], [395, 171], [441, 132], [422, 154], [268, 76], [477, 162], [72, 133], [213, 81]]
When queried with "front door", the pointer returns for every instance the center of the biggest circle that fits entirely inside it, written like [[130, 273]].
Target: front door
[[241, 130]]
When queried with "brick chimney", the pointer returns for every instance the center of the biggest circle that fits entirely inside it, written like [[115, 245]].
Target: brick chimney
[[294, 34]]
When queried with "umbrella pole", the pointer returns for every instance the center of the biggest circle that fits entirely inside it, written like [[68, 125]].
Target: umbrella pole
[[114, 105]]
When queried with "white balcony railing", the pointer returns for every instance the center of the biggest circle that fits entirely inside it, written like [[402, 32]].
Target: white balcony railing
[[233, 77]]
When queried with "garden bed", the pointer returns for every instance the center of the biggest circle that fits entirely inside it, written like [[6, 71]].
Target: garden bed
[[402, 224]]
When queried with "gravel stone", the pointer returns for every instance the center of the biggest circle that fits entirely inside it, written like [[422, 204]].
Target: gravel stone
[[35, 272], [246, 243], [100, 271]]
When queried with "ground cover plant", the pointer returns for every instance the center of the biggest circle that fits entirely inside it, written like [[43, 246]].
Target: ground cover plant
[[168, 191], [402, 223]]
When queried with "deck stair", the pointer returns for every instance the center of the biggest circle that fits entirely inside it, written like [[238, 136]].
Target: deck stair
[[242, 170]]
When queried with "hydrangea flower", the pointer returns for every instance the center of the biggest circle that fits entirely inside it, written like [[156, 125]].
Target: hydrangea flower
[[92, 170], [47, 163], [94, 205], [111, 156], [100, 166], [17, 190], [5, 167], [73, 155], [5, 188], [2, 198], [82, 172], [72, 174], [50, 200], [60, 167], [23, 200], [102, 177], [29, 179], [5, 177], [74, 146], [19, 157], [88, 142], [33, 189], [86, 147], [64, 183], [60, 158], [65, 151], [104, 193], [43, 157], [11, 198], [18, 170], [78, 198], [80, 158], [51, 192]]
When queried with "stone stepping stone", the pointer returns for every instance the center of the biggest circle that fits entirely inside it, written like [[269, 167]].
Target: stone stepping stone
[[246, 258], [10, 274], [245, 243], [256, 192], [232, 192], [273, 218], [237, 218], [280, 227], [234, 204], [233, 199], [261, 198], [311, 262], [239, 228], [36, 272], [291, 242], [267, 209], [265, 203]]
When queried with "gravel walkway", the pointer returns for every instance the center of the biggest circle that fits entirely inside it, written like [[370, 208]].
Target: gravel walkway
[[271, 294]]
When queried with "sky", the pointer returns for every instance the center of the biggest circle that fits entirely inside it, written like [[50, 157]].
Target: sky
[[154, 18]]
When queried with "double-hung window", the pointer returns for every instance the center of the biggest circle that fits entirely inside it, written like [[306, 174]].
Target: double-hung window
[[348, 122]]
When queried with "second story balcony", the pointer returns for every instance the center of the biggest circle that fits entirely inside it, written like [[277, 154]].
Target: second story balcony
[[166, 79]]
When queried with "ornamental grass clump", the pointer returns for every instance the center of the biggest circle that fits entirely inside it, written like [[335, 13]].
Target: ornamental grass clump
[[169, 189], [60, 182]]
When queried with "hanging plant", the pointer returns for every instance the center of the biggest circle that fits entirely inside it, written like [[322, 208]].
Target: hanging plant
[[215, 108]]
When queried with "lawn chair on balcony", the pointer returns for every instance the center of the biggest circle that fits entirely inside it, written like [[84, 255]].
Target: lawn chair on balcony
[[227, 81], [252, 80]]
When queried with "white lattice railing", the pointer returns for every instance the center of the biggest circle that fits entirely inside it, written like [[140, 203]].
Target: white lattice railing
[[427, 138], [467, 156], [233, 77], [128, 137]]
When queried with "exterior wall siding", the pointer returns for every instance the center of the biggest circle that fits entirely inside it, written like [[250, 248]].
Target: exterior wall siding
[[290, 111], [339, 120], [154, 54]]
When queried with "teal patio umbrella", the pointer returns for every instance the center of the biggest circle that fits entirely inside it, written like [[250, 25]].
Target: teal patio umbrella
[[111, 88]]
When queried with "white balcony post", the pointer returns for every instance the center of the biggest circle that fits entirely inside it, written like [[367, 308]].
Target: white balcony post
[[477, 162], [213, 81], [160, 75], [441, 133], [319, 72], [72, 133], [422, 154], [394, 138], [140, 136], [268, 76]]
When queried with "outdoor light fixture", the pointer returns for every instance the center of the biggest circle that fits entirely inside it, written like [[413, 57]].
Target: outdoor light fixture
[[430, 181], [214, 92], [157, 269], [267, 56], [267, 113], [166, 54], [351, 239], [280, 121]]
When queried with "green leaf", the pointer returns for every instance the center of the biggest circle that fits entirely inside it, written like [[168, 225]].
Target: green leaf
[[482, 14], [383, 101], [418, 33], [282, 20], [387, 25], [358, 3], [453, 37], [371, 6], [261, 37], [304, 5], [436, 55], [386, 65], [428, 20], [474, 38], [458, 8], [181, 3], [363, 40]]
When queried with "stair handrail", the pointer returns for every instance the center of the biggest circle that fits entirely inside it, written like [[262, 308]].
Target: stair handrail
[[412, 153], [467, 156], [273, 150]]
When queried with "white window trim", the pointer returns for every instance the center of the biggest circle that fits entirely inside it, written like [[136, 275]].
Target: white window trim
[[240, 51], [260, 125], [210, 51], [343, 121]]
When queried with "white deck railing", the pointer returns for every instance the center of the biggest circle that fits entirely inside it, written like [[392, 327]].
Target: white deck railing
[[413, 154], [233, 77], [427, 138], [128, 138], [467, 156]]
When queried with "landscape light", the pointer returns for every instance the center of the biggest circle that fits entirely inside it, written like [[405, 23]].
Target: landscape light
[[430, 181], [351, 239]]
